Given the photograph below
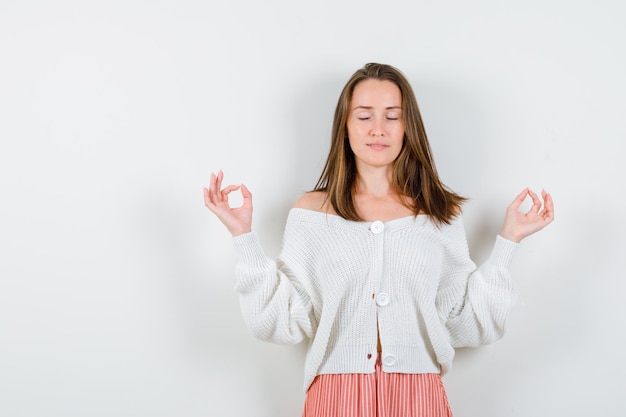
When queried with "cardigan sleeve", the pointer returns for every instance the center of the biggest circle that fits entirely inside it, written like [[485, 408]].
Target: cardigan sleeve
[[473, 303], [274, 304]]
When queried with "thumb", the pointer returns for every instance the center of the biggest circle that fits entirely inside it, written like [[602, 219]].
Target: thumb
[[246, 194]]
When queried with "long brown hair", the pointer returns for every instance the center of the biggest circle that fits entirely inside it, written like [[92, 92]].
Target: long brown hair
[[414, 174]]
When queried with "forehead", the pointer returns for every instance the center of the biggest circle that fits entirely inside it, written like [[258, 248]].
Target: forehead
[[373, 93]]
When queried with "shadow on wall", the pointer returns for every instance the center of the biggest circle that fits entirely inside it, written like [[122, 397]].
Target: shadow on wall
[[455, 125], [566, 301], [579, 289], [309, 129], [200, 309]]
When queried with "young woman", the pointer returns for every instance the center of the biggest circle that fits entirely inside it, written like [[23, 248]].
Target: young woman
[[375, 270]]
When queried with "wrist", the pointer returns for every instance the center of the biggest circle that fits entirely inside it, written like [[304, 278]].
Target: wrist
[[239, 231], [510, 235]]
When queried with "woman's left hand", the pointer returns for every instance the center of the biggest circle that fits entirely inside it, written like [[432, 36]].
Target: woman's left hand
[[518, 225]]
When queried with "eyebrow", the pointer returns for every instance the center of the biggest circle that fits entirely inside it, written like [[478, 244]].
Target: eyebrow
[[371, 108]]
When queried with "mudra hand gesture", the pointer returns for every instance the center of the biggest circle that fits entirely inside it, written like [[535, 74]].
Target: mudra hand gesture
[[518, 225], [238, 220]]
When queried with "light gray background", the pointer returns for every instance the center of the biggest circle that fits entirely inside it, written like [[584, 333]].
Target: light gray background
[[116, 284]]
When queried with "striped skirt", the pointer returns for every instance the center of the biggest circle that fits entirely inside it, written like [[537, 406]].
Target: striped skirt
[[379, 394]]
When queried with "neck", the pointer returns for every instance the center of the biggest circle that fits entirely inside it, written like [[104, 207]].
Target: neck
[[375, 182]]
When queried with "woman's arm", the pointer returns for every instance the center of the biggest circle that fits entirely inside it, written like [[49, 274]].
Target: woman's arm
[[274, 305], [474, 303]]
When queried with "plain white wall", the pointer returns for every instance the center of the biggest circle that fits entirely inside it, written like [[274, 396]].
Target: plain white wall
[[116, 284]]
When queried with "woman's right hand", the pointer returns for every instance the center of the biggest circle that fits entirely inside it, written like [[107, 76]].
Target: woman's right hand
[[238, 220]]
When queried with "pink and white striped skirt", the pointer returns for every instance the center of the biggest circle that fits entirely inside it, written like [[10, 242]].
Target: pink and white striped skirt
[[379, 394]]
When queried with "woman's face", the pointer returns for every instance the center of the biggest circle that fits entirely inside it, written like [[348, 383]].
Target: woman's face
[[375, 125]]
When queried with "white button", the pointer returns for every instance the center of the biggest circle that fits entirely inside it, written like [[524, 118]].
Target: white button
[[382, 299], [377, 227], [389, 359]]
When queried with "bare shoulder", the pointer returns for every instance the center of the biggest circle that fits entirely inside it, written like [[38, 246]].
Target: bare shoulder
[[313, 200]]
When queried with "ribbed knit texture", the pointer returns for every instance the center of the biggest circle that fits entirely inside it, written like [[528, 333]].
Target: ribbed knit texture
[[331, 279]]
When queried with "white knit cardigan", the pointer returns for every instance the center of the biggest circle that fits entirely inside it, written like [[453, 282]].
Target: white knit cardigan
[[340, 284]]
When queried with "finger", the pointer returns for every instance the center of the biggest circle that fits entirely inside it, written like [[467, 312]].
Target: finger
[[214, 189], [218, 185], [517, 202], [228, 190], [548, 207], [207, 198], [536, 202], [547, 213], [247, 196]]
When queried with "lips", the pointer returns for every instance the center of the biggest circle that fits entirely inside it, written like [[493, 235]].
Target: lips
[[377, 146]]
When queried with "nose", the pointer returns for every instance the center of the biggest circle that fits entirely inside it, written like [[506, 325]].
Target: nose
[[377, 129]]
